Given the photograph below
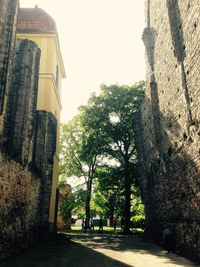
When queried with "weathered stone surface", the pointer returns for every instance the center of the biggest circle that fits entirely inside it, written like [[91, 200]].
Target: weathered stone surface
[[27, 141], [168, 126], [8, 20], [44, 150], [19, 206], [22, 102]]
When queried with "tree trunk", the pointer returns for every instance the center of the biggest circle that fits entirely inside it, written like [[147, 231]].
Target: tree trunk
[[111, 212], [87, 212], [127, 206], [87, 204]]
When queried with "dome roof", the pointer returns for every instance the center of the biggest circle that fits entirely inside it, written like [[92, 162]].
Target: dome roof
[[35, 20]]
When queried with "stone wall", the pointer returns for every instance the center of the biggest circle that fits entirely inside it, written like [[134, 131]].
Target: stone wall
[[27, 140], [168, 126], [19, 207], [43, 153], [19, 129], [8, 19]]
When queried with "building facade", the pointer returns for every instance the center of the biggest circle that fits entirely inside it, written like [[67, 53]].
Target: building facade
[[36, 25]]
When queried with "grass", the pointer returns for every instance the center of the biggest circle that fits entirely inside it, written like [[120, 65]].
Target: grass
[[106, 230]]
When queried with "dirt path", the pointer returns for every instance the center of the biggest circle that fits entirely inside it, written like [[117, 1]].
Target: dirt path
[[92, 250]]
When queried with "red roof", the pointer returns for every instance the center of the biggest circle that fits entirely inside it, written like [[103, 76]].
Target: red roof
[[35, 20]]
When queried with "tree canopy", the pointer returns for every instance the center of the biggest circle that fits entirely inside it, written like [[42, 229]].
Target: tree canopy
[[100, 143]]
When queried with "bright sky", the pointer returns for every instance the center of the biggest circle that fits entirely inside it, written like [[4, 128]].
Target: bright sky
[[100, 42]]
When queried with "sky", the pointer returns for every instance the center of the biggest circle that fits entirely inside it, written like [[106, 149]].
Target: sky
[[100, 43]]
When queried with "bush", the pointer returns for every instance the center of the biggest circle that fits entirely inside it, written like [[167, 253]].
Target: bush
[[138, 221]]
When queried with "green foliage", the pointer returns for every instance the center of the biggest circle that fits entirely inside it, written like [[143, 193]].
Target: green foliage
[[137, 207], [137, 210], [81, 153], [62, 181], [98, 204], [110, 117], [70, 148], [109, 191], [66, 208], [99, 144], [138, 221], [75, 204]]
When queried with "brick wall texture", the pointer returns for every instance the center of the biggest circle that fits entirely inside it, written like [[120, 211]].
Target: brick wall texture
[[168, 125], [27, 140]]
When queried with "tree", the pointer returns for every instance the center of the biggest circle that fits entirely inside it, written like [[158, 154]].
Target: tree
[[110, 116], [109, 190], [81, 153], [74, 203]]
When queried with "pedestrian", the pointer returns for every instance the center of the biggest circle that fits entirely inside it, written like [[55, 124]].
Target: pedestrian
[[100, 225], [168, 238]]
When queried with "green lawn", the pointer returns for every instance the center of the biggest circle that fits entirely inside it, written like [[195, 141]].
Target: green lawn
[[106, 230]]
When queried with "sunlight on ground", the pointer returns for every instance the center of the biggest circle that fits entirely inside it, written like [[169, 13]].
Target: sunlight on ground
[[129, 250]]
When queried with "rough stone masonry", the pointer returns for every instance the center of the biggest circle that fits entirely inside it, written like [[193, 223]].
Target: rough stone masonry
[[27, 140], [168, 125]]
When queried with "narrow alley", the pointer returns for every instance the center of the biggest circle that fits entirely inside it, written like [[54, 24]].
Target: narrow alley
[[96, 250]]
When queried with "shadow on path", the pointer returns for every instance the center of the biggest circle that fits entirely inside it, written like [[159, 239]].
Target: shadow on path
[[95, 250], [60, 252], [131, 246]]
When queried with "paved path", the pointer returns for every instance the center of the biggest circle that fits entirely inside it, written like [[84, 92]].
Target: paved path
[[93, 250]]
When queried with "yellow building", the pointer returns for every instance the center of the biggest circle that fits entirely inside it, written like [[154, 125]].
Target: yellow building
[[36, 25]]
